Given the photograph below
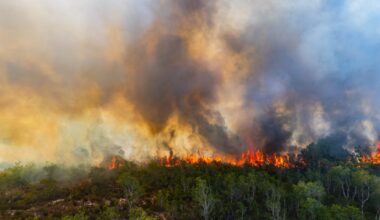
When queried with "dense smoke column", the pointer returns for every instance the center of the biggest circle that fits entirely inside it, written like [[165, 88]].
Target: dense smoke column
[[166, 80]]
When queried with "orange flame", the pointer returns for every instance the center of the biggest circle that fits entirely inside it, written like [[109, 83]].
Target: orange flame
[[251, 157], [374, 158], [116, 162]]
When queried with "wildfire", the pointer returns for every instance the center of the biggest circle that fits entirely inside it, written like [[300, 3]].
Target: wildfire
[[116, 162], [374, 158], [251, 157]]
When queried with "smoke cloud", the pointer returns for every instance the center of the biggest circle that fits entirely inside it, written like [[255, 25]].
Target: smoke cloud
[[82, 80]]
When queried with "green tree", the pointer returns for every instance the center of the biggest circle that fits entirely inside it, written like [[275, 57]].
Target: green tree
[[132, 188], [139, 214], [79, 216], [273, 201], [204, 197], [364, 186], [109, 213], [341, 176], [375, 200], [303, 191], [310, 189], [310, 208], [338, 212]]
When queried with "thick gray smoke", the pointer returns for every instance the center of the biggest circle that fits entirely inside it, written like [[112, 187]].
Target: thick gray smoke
[[159, 74], [169, 81], [316, 75], [321, 62]]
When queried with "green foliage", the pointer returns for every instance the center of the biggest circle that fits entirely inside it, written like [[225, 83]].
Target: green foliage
[[13, 177], [163, 199], [273, 201], [311, 208], [109, 213], [204, 197], [79, 216], [139, 214], [132, 188], [343, 213], [326, 190], [313, 190]]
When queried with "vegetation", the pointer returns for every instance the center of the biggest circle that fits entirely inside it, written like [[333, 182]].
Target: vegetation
[[324, 188]]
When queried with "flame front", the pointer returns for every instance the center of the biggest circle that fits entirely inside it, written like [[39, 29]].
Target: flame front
[[256, 158]]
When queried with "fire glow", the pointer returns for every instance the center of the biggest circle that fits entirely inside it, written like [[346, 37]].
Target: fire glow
[[116, 162], [374, 158], [256, 158], [252, 157]]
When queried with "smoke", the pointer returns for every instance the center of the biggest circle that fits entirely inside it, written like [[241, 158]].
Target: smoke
[[167, 80], [82, 80]]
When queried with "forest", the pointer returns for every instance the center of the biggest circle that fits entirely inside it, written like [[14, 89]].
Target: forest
[[323, 186]]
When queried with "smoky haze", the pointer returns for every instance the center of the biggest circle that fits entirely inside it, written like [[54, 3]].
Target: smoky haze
[[80, 81]]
